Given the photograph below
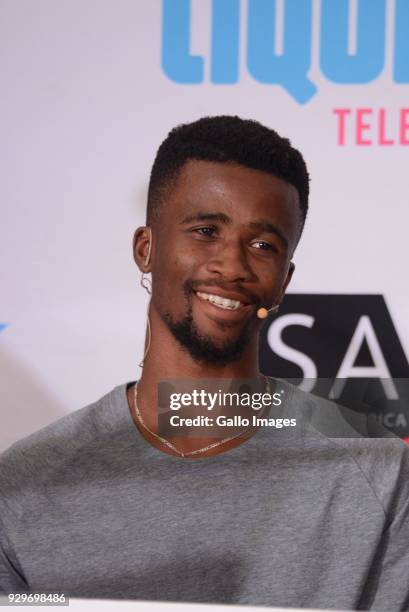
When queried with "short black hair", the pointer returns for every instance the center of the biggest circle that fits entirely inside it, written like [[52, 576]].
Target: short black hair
[[226, 139]]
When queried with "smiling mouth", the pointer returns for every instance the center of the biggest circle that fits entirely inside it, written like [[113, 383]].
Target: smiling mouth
[[220, 302]]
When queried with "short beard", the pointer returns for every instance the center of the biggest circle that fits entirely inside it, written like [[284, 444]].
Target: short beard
[[200, 347]]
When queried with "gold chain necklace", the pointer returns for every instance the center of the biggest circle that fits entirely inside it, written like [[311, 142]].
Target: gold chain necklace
[[172, 446]]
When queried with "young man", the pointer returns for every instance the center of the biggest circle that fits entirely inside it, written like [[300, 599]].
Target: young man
[[100, 504]]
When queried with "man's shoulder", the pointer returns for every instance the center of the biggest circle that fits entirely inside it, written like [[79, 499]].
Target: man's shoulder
[[379, 455], [54, 447]]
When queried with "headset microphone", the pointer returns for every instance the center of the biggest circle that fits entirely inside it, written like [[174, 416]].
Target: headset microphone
[[263, 313]]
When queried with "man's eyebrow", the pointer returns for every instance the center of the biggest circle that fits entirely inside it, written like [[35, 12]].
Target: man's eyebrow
[[260, 225], [207, 216]]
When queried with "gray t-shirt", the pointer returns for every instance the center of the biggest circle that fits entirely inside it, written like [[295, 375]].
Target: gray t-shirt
[[291, 517]]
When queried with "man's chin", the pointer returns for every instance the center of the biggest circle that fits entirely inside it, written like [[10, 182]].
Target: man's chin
[[206, 346]]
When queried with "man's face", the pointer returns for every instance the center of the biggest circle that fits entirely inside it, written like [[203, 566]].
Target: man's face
[[223, 246]]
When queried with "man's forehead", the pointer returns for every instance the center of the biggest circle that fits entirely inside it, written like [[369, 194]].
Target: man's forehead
[[204, 170], [228, 183]]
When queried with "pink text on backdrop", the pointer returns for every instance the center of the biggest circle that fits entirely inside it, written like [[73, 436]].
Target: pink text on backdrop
[[372, 126]]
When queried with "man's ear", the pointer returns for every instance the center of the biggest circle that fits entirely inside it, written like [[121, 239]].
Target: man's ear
[[290, 272], [142, 247]]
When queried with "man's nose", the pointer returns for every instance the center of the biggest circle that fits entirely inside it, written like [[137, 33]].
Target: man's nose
[[230, 260]]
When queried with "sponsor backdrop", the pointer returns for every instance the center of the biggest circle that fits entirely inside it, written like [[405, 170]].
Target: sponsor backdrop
[[90, 89]]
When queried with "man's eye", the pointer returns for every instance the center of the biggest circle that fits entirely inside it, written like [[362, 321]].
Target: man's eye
[[265, 246], [205, 231]]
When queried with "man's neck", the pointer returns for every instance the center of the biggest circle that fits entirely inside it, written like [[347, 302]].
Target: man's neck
[[168, 359]]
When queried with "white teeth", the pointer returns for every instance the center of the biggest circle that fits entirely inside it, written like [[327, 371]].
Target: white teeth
[[220, 301]]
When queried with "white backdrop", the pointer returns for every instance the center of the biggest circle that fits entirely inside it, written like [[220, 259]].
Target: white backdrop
[[85, 103]]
